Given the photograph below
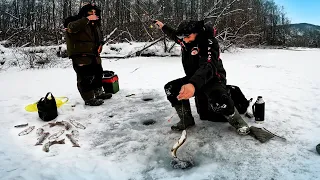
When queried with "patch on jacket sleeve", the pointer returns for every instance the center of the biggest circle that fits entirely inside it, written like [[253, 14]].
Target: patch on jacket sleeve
[[194, 51]]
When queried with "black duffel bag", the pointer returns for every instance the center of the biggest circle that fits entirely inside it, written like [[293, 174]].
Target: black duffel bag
[[47, 108]]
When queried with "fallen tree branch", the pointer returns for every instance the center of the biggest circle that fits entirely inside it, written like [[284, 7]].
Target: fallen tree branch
[[109, 35], [131, 37], [146, 47], [138, 52]]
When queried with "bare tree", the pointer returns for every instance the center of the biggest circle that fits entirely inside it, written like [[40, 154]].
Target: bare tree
[[39, 22]]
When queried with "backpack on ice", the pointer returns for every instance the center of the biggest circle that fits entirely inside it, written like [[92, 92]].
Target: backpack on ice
[[240, 101]]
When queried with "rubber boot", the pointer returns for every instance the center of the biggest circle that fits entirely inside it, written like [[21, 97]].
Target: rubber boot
[[89, 99], [100, 94], [94, 102], [236, 121], [185, 115]]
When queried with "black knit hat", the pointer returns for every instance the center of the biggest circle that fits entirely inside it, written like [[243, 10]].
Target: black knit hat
[[88, 7], [186, 28]]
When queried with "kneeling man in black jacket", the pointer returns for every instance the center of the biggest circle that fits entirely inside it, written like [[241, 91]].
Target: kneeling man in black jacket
[[205, 78]]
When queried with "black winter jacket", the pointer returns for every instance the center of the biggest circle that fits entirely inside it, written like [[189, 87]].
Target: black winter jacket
[[201, 59]]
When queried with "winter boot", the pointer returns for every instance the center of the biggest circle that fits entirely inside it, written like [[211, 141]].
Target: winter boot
[[94, 102], [185, 115], [100, 94], [236, 121]]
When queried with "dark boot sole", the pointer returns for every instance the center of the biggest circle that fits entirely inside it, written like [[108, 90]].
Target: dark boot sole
[[104, 98], [179, 129], [99, 104], [93, 104]]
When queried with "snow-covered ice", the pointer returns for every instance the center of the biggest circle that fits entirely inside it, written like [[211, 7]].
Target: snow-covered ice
[[116, 144]]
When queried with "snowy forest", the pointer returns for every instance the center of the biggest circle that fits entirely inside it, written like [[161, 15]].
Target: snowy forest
[[238, 22], [135, 105]]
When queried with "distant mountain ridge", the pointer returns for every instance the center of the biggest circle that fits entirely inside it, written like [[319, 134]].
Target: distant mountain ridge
[[304, 27], [303, 34]]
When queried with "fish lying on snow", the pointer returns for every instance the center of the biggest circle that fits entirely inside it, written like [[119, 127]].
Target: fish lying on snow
[[73, 140], [56, 135], [26, 131], [77, 124], [66, 124], [42, 138], [50, 143]]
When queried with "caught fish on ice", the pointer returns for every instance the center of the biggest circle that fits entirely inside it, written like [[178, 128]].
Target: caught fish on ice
[[26, 131], [77, 124], [177, 163], [73, 140], [66, 124], [39, 131], [50, 143], [42, 138], [56, 135], [75, 133]]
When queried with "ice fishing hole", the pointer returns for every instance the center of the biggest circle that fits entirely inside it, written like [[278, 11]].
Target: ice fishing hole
[[147, 99], [148, 122]]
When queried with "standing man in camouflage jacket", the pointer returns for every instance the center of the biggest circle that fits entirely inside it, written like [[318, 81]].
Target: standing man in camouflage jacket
[[84, 45]]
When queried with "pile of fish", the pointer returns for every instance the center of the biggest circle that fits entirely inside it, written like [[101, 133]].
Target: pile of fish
[[73, 136], [53, 138]]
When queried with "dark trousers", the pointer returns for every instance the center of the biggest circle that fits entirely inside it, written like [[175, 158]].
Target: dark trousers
[[89, 77], [212, 104]]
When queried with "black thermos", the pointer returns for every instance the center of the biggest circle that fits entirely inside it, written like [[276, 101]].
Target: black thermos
[[258, 109]]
